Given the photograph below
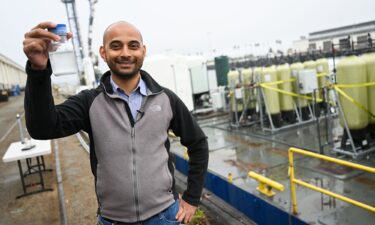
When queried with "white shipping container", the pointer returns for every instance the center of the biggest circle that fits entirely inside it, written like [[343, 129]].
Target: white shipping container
[[198, 72], [172, 72]]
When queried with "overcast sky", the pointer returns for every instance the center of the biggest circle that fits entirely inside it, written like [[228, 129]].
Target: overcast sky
[[190, 26]]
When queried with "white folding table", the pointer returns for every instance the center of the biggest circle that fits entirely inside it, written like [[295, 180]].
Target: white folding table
[[18, 151]]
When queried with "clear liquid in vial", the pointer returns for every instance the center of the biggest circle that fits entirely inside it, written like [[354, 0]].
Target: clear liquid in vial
[[63, 62]]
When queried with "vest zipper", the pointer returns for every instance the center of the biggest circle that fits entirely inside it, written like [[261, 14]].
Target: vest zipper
[[135, 184], [136, 197]]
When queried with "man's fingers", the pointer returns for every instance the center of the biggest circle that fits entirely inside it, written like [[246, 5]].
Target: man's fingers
[[40, 33], [33, 45], [184, 215], [185, 212], [32, 48], [37, 42], [180, 214], [69, 35], [188, 216], [181, 217], [45, 25]]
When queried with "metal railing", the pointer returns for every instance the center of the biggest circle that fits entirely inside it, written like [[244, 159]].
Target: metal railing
[[294, 181], [266, 184], [81, 140]]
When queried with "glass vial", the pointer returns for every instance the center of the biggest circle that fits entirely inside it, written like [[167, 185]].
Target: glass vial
[[61, 53]]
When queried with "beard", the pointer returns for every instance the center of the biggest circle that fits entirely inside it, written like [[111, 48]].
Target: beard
[[126, 75]]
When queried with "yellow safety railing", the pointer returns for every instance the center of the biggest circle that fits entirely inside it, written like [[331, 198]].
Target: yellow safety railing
[[294, 181], [230, 177], [186, 154], [266, 184]]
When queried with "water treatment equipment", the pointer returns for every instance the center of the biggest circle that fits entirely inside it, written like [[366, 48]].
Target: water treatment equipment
[[233, 78], [249, 91], [286, 100], [370, 65], [311, 64], [236, 94], [257, 73], [269, 75], [322, 70], [302, 103], [222, 69], [352, 70]]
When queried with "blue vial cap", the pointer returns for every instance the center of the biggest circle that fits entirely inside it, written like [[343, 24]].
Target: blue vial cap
[[60, 29]]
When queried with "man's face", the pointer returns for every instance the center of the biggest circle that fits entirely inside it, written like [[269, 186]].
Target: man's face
[[123, 50]]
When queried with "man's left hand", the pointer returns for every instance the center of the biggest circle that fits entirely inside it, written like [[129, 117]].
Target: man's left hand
[[185, 212]]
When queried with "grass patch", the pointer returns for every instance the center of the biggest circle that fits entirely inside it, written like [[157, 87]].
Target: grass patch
[[199, 218]]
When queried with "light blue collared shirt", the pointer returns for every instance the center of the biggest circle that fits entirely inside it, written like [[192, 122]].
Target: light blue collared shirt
[[135, 99]]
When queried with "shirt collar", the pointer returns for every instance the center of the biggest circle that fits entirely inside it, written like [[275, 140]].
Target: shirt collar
[[141, 87]]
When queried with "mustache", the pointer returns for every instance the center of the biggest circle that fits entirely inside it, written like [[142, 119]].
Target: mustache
[[124, 60]]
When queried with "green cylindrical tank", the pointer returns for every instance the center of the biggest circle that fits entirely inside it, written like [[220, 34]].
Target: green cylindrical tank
[[284, 73], [370, 64], [322, 70], [352, 70], [272, 97], [222, 69]]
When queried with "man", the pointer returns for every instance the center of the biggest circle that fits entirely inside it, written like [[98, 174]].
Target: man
[[127, 118]]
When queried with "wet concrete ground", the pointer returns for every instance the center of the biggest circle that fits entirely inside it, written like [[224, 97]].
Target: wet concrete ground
[[238, 151]]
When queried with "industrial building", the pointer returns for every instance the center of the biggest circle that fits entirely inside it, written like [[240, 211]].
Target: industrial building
[[12, 78], [11, 73], [323, 40]]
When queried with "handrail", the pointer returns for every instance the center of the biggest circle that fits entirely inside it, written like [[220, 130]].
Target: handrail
[[266, 184], [294, 181], [83, 142]]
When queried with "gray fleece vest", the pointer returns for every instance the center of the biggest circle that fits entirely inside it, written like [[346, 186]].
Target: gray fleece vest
[[133, 179]]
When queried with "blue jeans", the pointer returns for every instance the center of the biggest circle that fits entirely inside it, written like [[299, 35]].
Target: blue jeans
[[166, 217]]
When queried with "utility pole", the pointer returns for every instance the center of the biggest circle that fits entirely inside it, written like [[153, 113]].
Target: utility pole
[[70, 6], [93, 57]]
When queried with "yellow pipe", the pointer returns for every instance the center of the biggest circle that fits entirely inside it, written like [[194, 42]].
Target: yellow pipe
[[292, 185], [230, 178], [171, 134], [186, 155], [330, 159], [343, 198], [266, 180], [334, 160]]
